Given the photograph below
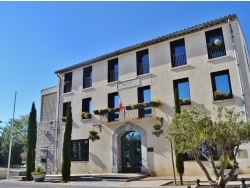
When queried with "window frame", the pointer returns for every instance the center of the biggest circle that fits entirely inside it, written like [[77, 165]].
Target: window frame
[[65, 105], [173, 46], [215, 88], [215, 51], [87, 74], [175, 85], [67, 82], [141, 68], [83, 150], [113, 116], [86, 105], [146, 111], [113, 75]]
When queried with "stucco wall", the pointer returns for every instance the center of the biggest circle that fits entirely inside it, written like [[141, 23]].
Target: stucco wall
[[160, 80]]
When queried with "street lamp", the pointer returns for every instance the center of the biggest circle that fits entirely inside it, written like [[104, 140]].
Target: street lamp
[[12, 121]]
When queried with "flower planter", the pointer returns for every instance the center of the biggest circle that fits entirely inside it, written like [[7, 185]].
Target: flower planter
[[128, 108], [39, 177]]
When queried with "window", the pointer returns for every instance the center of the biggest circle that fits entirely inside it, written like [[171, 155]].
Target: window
[[87, 77], [215, 43], [142, 62], [67, 82], [144, 95], [80, 150], [65, 106], [182, 87], [113, 70], [86, 108], [178, 53], [113, 102], [221, 85]]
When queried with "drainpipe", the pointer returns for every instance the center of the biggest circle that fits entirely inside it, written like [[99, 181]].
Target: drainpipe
[[57, 128], [239, 73]]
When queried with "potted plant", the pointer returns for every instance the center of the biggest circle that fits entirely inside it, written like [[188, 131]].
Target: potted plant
[[129, 107], [155, 103], [96, 112], [93, 135], [157, 129], [113, 110], [219, 95], [103, 111], [63, 119], [228, 168], [86, 115], [39, 173], [185, 101]]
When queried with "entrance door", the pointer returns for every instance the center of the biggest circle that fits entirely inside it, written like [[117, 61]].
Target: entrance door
[[131, 152]]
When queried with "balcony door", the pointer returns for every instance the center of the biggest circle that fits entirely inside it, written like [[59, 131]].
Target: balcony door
[[131, 152]]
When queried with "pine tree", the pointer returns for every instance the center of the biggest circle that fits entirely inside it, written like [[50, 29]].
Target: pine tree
[[178, 156], [31, 142], [66, 164]]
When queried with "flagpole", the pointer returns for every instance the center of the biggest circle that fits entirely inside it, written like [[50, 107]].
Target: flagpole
[[12, 121]]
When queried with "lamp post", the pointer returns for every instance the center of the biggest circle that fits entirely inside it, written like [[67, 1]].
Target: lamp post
[[12, 121]]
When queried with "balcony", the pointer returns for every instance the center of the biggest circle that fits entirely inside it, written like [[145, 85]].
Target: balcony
[[179, 59], [87, 82], [113, 75], [121, 116], [143, 68], [215, 51]]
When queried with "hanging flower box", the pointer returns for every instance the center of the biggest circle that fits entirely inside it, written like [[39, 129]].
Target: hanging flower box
[[63, 119], [113, 110], [155, 103], [157, 126], [140, 105], [93, 135], [157, 132], [86, 115]]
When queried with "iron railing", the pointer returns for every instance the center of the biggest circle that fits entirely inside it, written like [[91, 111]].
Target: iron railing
[[179, 59], [216, 51], [113, 75], [87, 82], [143, 68], [125, 115]]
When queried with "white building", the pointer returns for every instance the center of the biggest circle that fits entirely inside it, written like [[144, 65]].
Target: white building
[[196, 61]]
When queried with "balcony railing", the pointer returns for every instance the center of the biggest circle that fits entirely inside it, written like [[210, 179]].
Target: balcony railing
[[216, 51], [132, 114], [179, 59], [67, 86], [113, 75], [143, 68], [87, 82]]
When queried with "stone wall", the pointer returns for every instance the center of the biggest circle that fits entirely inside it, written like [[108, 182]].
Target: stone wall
[[45, 146]]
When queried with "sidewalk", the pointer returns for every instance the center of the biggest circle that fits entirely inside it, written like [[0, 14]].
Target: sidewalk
[[158, 181]]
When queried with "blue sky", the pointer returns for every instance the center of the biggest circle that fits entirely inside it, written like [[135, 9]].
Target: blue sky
[[38, 38]]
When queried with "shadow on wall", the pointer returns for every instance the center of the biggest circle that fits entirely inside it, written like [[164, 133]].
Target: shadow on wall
[[97, 161]]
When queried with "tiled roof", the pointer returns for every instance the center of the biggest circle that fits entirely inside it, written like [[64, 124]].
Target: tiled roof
[[151, 42]]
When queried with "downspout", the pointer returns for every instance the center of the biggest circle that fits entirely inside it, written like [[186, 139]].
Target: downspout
[[57, 129], [239, 73]]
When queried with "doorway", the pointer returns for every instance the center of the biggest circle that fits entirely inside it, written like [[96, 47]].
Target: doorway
[[131, 152]]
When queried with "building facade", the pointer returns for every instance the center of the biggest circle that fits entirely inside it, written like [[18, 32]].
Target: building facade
[[206, 64]]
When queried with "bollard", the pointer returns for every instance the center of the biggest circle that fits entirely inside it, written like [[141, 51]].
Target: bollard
[[197, 183], [243, 185]]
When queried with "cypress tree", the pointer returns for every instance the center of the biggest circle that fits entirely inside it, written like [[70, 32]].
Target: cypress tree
[[31, 142], [178, 156], [66, 164]]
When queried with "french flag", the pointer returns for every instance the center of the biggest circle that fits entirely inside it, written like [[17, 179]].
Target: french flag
[[121, 107]]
